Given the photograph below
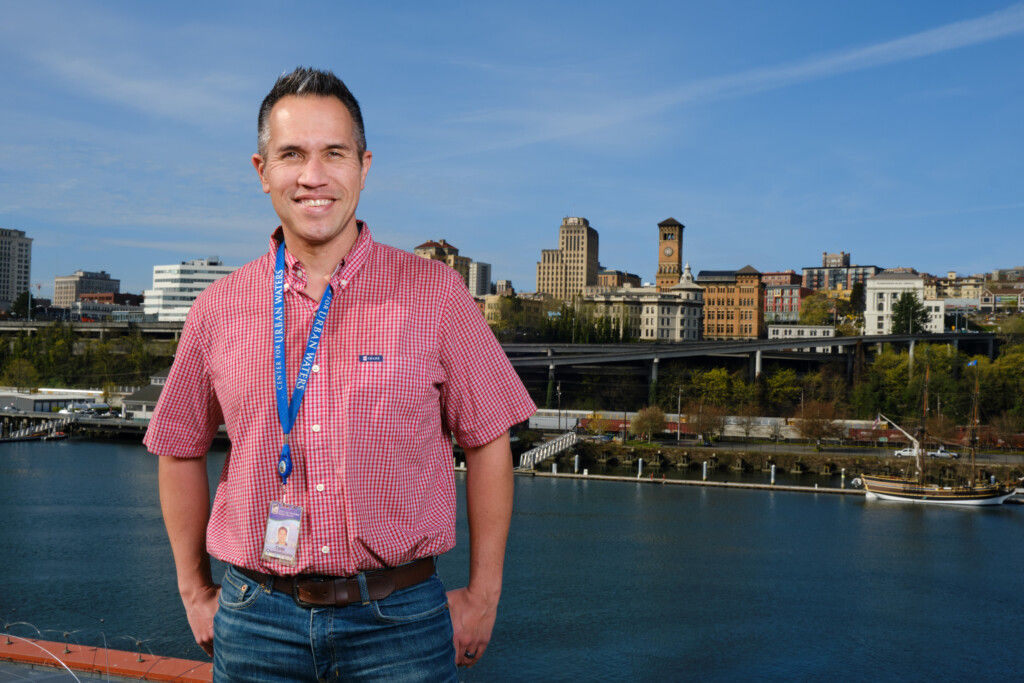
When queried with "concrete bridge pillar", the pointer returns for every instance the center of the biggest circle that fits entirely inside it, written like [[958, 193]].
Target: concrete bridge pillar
[[652, 394], [850, 352], [910, 360], [991, 348], [550, 402]]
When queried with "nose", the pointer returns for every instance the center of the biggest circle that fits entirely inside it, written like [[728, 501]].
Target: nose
[[312, 174]]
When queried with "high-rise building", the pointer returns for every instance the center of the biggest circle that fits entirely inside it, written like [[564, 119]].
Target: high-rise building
[[446, 253], [479, 278], [67, 288], [15, 265], [564, 272], [670, 254], [175, 287]]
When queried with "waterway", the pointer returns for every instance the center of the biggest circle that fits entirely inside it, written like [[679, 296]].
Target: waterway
[[605, 581]]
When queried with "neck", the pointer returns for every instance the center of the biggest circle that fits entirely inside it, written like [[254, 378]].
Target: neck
[[320, 260]]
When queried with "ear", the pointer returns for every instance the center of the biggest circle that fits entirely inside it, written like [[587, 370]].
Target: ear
[[260, 165], [367, 160]]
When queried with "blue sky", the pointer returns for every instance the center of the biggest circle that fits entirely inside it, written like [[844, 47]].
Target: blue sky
[[773, 130]]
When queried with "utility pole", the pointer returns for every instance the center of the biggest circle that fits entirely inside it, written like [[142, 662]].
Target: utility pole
[[558, 390], [679, 416]]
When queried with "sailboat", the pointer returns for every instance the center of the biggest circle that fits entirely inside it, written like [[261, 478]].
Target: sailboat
[[916, 490]]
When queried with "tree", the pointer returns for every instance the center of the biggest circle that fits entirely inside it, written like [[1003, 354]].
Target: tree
[[909, 316], [20, 306], [748, 414], [649, 421], [713, 386], [1004, 426], [705, 418], [857, 298], [21, 375], [817, 309], [821, 309], [599, 425], [783, 389], [819, 421]]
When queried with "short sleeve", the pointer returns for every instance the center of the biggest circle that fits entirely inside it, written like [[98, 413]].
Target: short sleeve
[[187, 415], [482, 396]]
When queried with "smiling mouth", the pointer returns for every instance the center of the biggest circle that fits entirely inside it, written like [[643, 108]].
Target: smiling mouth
[[315, 202]]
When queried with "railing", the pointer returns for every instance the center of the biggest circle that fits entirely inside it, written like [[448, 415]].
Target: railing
[[50, 427], [547, 449]]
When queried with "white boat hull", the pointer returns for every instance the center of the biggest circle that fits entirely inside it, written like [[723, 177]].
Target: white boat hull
[[907, 491]]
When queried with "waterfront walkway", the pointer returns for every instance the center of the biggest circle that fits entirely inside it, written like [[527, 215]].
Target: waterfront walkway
[[651, 479]]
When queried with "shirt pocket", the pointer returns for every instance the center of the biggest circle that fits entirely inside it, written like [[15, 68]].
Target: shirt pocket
[[395, 392]]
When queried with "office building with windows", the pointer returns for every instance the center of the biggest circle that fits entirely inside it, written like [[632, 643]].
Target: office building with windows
[[175, 287], [15, 266], [563, 273], [68, 288]]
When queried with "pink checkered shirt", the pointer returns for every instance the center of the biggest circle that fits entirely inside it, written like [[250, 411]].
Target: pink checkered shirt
[[371, 445]]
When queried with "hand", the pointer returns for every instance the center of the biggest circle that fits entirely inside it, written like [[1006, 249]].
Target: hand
[[472, 620], [200, 606]]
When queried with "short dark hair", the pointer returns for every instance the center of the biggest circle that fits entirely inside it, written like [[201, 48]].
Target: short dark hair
[[314, 82]]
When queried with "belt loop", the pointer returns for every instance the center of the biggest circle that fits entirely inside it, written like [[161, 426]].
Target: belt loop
[[364, 592]]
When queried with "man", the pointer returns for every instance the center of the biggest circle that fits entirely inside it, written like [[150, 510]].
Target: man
[[340, 368]]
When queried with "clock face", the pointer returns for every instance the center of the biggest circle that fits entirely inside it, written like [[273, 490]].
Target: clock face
[[668, 251]]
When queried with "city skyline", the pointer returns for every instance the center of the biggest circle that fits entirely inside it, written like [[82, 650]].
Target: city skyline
[[773, 132]]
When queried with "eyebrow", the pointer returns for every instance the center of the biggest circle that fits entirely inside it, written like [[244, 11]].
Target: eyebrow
[[344, 146]]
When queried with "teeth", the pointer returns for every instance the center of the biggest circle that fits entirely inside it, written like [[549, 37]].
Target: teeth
[[315, 202]]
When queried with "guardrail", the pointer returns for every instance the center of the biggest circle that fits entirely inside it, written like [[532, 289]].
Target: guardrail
[[49, 427]]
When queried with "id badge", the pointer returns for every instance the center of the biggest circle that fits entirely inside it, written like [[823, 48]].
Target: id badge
[[281, 542]]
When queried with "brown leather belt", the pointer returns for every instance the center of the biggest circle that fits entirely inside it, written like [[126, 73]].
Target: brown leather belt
[[319, 591]]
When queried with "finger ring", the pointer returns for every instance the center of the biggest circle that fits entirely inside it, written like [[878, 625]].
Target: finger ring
[[470, 655]]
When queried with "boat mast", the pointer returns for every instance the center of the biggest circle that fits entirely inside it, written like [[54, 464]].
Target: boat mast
[[922, 431]]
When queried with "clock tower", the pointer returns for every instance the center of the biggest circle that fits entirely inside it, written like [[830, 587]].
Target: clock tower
[[670, 253]]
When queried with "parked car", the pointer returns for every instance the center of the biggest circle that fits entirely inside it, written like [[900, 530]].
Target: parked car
[[943, 453], [904, 453]]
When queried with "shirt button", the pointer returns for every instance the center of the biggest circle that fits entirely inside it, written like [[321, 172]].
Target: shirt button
[[316, 368], [344, 282], [316, 428], [326, 549], [320, 487]]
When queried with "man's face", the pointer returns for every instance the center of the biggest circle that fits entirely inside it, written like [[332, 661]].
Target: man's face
[[313, 171]]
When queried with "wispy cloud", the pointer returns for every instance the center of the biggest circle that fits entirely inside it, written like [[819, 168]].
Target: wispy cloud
[[532, 126], [1001, 24], [193, 101], [108, 56]]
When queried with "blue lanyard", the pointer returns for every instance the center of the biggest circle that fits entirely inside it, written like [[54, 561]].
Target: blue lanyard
[[287, 412]]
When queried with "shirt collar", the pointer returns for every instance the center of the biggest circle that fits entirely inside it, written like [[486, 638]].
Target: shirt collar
[[295, 274]]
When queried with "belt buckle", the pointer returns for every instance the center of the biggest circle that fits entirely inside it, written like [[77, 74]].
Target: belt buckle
[[299, 601]]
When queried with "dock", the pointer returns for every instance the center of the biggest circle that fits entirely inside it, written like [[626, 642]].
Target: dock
[[695, 482]]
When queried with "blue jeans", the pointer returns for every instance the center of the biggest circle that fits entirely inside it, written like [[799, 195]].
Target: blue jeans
[[260, 634]]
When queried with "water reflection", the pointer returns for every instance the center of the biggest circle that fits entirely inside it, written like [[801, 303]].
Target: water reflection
[[604, 580]]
